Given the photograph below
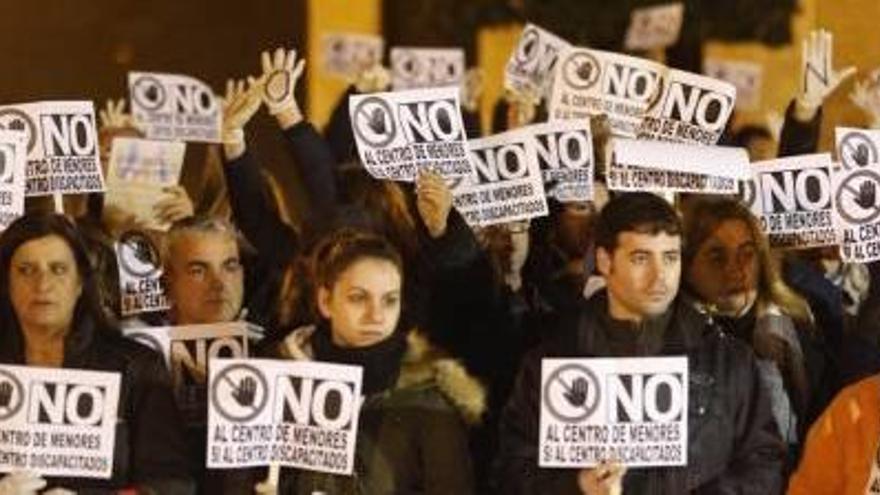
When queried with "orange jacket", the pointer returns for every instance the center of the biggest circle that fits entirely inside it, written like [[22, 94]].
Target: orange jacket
[[841, 444]]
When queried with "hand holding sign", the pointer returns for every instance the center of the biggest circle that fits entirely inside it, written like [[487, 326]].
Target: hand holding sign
[[374, 79], [21, 483], [433, 200], [281, 72], [605, 479], [818, 77]]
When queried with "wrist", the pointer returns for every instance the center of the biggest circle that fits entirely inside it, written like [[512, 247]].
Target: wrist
[[288, 117], [233, 144], [805, 108]]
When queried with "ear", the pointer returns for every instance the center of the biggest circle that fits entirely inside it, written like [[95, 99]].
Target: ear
[[603, 261], [324, 296]]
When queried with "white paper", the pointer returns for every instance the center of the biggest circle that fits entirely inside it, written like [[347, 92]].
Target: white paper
[[656, 27], [530, 67], [565, 155], [62, 146], [630, 410], [507, 184], [856, 189], [58, 422], [141, 288], [13, 164], [139, 171], [399, 133], [298, 414], [414, 68], [174, 107], [747, 77], [345, 55]]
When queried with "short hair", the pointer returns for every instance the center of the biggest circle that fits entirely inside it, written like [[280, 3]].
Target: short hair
[[343, 248], [640, 212], [200, 224], [748, 133]]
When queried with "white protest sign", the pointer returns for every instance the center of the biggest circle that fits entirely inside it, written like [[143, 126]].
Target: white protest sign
[[793, 199], [400, 132], [139, 172], [530, 67], [747, 77], [62, 146], [507, 184], [58, 422], [656, 27], [188, 350], [592, 82], [856, 186], [414, 68], [565, 155], [298, 414], [636, 165], [140, 274], [173, 107], [345, 55], [13, 163], [692, 109], [633, 411]]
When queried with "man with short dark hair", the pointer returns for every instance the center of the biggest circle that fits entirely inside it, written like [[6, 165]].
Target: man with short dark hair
[[733, 443]]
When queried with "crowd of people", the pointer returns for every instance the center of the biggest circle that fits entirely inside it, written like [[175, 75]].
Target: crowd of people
[[450, 324]]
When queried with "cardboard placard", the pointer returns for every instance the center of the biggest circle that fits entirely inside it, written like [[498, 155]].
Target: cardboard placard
[[62, 146], [293, 413], [13, 164], [58, 422], [345, 55], [747, 77], [565, 155], [653, 28], [141, 287], [415, 68], [856, 187], [530, 67], [174, 107], [633, 411]]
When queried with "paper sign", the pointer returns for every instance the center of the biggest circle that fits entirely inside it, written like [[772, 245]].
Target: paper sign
[[139, 171], [592, 82], [414, 68], [565, 155], [140, 274], [188, 350], [507, 185], [692, 109], [345, 55], [671, 167], [173, 107], [293, 413], [530, 67], [62, 146], [856, 185], [633, 411], [401, 132], [58, 422], [653, 28], [13, 162], [745, 76], [793, 199]]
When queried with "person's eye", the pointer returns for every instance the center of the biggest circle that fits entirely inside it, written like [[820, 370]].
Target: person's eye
[[357, 298], [232, 266], [26, 270], [672, 258], [639, 259], [59, 269], [392, 301], [196, 271]]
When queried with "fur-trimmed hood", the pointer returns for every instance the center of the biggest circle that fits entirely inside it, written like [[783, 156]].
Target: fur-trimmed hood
[[422, 364]]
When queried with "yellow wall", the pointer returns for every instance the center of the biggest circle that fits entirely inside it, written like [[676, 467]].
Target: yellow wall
[[356, 16], [494, 46]]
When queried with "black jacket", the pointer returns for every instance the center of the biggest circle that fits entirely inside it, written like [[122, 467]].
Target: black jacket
[[733, 444]]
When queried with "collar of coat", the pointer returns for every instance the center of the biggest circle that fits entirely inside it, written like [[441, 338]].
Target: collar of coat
[[422, 364]]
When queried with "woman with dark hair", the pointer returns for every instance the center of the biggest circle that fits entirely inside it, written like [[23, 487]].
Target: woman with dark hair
[[51, 316]]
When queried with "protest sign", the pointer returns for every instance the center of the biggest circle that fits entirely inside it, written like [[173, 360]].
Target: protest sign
[[692, 109], [401, 132], [139, 172], [530, 67], [140, 274], [13, 161], [345, 55], [653, 28], [300, 414], [745, 76], [856, 184], [188, 350], [415, 68], [565, 156], [592, 82], [62, 146], [633, 411], [671, 167], [174, 107], [58, 422], [507, 184], [793, 199]]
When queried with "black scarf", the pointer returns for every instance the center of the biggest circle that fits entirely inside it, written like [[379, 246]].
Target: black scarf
[[381, 361]]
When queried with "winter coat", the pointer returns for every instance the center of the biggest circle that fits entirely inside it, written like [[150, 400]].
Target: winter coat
[[733, 445], [412, 438]]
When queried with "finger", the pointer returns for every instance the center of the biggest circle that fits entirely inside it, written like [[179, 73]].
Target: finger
[[266, 62], [828, 51], [278, 59], [846, 73], [105, 118], [230, 89], [290, 60], [120, 105], [298, 70]]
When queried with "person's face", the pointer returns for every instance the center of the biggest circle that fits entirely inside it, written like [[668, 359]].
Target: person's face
[[641, 275], [363, 305], [575, 229], [44, 284], [724, 271], [205, 278]]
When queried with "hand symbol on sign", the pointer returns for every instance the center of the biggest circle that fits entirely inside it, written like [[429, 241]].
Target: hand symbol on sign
[[862, 156], [867, 198], [585, 71], [377, 121], [577, 395], [5, 394], [17, 125], [246, 392]]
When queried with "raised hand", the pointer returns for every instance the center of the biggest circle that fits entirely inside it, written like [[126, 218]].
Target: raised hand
[[818, 76], [113, 115], [373, 79], [176, 206], [433, 201], [866, 96], [240, 104], [281, 73]]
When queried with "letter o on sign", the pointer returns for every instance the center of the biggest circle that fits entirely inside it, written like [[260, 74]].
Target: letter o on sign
[[343, 396], [85, 405], [671, 386], [808, 184]]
